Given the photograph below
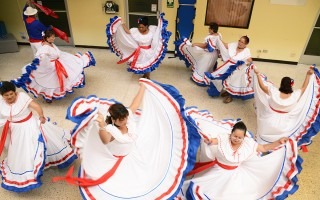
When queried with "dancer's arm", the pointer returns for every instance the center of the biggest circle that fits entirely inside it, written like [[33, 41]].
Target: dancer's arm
[[35, 106], [271, 146], [262, 86], [201, 45], [211, 141], [137, 99], [125, 28], [306, 80], [105, 136]]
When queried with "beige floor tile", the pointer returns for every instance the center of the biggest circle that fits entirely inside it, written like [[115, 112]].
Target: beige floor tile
[[109, 80]]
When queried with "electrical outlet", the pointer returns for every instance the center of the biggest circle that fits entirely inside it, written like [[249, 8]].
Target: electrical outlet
[[265, 51]]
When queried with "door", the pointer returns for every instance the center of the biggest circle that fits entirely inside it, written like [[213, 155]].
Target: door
[[139, 8], [62, 23], [312, 50]]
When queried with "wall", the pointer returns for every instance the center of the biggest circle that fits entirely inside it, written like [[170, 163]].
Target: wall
[[280, 29], [91, 30], [11, 14]]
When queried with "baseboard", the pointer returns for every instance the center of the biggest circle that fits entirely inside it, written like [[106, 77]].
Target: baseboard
[[23, 43], [275, 61], [94, 47]]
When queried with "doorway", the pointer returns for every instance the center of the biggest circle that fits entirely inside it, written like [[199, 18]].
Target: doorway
[[62, 23], [139, 8], [312, 51]]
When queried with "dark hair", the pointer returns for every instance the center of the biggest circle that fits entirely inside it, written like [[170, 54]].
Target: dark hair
[[143, 20], [214, 27], [6, 86], [286, 85], [240, 126], [48, 33], [117, 111], [246, 39]]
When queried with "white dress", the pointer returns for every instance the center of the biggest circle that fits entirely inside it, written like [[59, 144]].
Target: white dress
[[143, 53], [227, 174], [296, 117], [149, 162], [54, 73], [201, 60], [233, 75], [31, 146]]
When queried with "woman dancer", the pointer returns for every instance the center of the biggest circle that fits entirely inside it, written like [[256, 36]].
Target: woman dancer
[[54, 73], [233, 75], [133, 154], [33, 144], [201, 56], [284, 112], [231, 166], [143, 48]]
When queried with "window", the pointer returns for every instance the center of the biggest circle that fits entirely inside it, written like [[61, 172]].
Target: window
[[229, 13]]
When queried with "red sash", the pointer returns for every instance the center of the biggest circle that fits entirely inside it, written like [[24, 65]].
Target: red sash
[[278, 111], [199, 167], [135, 55], [84, 182], [6, 130], [61, 71], [34, 40]]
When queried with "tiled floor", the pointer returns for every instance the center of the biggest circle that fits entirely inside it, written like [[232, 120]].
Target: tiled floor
[[109, 80]]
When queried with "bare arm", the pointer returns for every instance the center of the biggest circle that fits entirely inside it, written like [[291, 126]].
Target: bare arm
[[105, 136], [262, 86], [35, 106], [211, 141], [125, 28], [306, 80], [224, 44], [137, 99], [273, 145], [201, 45]]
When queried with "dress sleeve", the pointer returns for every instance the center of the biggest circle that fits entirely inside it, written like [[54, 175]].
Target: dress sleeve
[[152, 29], [25, 98]]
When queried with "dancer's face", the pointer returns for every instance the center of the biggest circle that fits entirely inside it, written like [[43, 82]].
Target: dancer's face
[[121, 122], [242, 43], [10, 97], [142, 28], [237, 136], [51, 39]]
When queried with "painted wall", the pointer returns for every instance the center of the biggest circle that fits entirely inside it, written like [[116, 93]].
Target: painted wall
[[11, 14], [280, 29]]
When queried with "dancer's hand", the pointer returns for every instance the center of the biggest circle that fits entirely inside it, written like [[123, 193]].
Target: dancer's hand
[[100, 120], [310, 71], [42, 119], [283, 140]]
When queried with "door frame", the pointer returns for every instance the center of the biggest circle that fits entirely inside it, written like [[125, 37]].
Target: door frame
[[308, 59], [157, 14]]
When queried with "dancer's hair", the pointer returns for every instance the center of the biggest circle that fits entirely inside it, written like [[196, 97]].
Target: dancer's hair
[[286, 85], [240, 126], [48, 33], [117, 111], [246, 39], [6, 86], [214, 26], [143, 20]]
